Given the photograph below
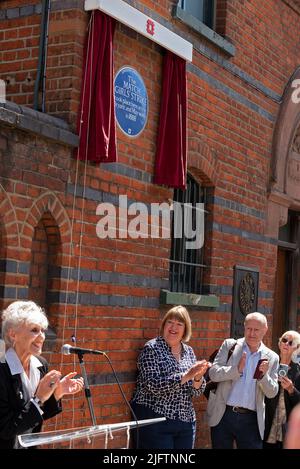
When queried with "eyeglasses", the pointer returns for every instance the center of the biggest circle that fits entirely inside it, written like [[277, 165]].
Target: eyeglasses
[[287, 341]]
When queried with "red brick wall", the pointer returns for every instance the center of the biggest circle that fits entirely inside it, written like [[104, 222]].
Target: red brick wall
[[230, 130], [20, 36], [19, 51], [221, 13]]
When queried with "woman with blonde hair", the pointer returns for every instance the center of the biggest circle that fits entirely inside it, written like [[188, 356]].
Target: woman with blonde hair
[[279, 407], [169, 375]]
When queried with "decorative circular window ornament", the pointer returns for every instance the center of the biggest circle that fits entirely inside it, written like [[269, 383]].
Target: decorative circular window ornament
[[247, 294]]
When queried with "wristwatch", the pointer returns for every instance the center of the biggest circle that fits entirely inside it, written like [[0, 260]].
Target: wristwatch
[[37, 401]]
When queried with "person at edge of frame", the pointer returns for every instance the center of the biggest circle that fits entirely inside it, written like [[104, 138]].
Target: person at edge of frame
[[279, 407]]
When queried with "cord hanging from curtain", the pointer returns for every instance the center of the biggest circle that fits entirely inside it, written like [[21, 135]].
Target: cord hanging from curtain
[[171, 157], [97, 137], [97, 127]]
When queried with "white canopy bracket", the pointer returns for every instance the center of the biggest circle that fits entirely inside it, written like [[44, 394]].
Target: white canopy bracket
[[144, 25]]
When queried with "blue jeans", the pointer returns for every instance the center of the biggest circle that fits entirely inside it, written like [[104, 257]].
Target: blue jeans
[[241, 428], [171, 434]]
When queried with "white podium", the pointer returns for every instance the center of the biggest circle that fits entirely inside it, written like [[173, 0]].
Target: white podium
[[85, 437]]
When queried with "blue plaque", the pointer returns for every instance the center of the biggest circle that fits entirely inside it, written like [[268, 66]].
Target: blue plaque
[[131, 101]]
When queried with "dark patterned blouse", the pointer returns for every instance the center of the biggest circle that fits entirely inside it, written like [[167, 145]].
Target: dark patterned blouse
[[159, 381]]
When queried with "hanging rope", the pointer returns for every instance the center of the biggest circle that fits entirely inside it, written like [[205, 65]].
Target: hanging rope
[[128, 437], [72, 249]]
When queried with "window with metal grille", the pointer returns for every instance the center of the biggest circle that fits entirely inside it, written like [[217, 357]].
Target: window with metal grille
[[203, 10], [187, 265]]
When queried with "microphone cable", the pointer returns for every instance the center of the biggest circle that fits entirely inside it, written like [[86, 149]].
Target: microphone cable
[[125, 399]]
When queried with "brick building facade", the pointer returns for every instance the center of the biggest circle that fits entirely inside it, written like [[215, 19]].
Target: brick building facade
[[243, 149]]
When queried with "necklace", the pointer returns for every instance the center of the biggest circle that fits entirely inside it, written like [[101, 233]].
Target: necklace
[[176, 354]]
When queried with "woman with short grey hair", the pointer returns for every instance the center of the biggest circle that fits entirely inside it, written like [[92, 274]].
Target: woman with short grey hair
[[29, 393], [18, 314]]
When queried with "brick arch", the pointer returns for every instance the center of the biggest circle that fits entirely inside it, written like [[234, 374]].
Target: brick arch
[[45, 259], [9, 238], [47, 202], [287, 123], [202, 162], [11, 231], [284, 184]]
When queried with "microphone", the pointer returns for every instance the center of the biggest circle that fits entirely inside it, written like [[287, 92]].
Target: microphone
[[68, 349]]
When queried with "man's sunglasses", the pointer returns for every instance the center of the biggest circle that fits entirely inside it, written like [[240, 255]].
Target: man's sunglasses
[[287, 341]]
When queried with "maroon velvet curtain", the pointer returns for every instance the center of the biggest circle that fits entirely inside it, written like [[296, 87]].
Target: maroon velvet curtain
[[170, 163], [96, 123]]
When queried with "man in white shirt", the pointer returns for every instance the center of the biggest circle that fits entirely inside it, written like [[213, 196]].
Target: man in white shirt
[[236, 409]]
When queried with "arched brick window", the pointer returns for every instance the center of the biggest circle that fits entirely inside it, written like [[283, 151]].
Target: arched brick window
[[44, 281], [2, 266]]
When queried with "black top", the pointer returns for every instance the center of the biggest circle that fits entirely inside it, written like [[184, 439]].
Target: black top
[[289, 400], [17, 416]]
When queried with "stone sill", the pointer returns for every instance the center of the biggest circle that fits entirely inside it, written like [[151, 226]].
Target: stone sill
[[37, 123], [204, 30], [188, 299]]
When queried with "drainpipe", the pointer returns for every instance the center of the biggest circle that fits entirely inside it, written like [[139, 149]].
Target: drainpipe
[[40, 82]]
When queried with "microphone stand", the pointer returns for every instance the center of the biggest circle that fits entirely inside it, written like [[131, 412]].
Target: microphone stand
[[87, 390]]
